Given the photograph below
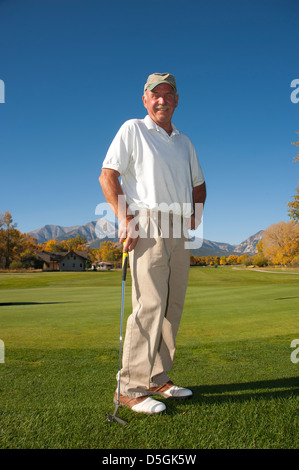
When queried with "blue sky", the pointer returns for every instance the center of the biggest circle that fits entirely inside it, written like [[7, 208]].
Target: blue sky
[[74, 71]]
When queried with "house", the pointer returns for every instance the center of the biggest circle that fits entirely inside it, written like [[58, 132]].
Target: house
[[102, 265], [50, 260], [63, 261], [73, 261]]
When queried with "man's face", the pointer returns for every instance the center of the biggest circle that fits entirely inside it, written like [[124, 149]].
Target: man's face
[[160, 104]]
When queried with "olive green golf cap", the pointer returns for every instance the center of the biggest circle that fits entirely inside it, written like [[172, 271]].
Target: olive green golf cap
[[156, 78]]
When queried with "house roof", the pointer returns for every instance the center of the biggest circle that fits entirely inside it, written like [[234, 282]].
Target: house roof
[[81, 254], [48, 256]]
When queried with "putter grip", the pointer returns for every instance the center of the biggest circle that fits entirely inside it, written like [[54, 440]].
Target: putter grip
[[125, 265]]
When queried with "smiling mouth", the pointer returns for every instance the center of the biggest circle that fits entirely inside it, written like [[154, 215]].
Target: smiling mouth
[[163, 108]]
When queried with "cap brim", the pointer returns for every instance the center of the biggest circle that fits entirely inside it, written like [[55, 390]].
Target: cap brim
[[159, 83]]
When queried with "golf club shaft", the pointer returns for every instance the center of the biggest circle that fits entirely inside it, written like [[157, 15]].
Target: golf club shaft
[[124, 274]]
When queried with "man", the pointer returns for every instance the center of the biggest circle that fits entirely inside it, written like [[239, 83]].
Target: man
[[162, 179]]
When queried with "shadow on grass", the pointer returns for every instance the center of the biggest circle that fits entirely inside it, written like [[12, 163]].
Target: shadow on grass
[[241, 392], [5, 304], [286, 298]]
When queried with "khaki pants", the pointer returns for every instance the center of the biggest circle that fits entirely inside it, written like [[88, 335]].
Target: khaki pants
[[159, 268]]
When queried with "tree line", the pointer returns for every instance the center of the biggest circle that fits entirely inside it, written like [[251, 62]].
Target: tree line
[[280, 245], [20, 250], [246, 260]]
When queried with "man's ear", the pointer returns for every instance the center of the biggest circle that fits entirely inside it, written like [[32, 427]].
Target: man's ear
[[177, 100], [144, 100]]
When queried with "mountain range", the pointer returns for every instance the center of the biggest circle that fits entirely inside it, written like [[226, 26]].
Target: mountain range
[[102, 229]]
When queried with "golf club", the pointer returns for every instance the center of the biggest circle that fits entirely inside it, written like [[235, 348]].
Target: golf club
[[113, 417]]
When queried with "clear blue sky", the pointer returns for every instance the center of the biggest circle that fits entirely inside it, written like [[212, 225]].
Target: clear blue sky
[[74, 71]]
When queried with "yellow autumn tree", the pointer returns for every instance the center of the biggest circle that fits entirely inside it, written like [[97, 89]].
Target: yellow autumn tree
[[17, 250], [192, 260], [53, 245], [244, 259], [296, 159], [294, 205], [9, 238], [232, 259], [94, 255], [77, 243], [109, 251], [281, 242]]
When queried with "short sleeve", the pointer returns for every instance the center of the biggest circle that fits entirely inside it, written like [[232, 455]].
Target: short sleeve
[[119, 153], [197, 176]]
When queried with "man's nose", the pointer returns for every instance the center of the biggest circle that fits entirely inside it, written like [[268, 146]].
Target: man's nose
[[162, 100]]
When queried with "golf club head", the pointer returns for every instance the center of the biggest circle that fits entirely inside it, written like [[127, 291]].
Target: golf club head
[[111, 418]]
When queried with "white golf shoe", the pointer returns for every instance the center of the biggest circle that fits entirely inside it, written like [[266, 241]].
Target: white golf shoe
[[169, 390], [144, 404]]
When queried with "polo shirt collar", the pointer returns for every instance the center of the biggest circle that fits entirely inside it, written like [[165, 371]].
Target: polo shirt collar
[[152, 126]]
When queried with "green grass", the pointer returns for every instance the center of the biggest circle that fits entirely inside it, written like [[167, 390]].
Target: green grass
[[61, 335]]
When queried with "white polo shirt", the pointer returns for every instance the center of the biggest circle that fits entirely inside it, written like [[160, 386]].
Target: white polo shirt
[[157, 171]]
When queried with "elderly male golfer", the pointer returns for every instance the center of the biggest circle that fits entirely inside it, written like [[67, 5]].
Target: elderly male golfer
[[161, 180]]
